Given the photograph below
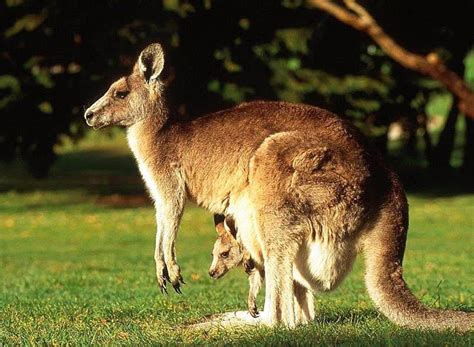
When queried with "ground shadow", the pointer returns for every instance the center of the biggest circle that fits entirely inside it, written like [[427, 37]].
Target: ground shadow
[[99, 172]]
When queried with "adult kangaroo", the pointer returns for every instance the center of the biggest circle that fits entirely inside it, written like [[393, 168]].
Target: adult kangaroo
[[306, 191]]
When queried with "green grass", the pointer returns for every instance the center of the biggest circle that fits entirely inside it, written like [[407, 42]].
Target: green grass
[[76, 266]]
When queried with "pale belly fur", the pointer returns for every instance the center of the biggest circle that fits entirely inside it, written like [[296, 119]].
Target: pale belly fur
[[322, 266]]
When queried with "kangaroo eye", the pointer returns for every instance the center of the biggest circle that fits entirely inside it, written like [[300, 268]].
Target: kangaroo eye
[[224, 254], [121, 94]]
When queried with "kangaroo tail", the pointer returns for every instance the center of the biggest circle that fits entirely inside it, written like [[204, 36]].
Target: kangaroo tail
[[384, 247]]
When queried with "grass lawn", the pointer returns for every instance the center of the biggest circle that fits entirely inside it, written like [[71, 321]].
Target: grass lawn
[[76, 265]]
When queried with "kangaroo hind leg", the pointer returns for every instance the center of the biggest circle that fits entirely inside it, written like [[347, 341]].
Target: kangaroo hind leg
[[304, 304], [281, 241]]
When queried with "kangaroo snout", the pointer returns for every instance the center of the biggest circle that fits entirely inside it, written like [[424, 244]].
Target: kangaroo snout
[[94, 119], [88, 116]]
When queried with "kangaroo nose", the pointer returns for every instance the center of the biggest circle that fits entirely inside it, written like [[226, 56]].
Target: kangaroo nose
[[212, 273], [88, 115]]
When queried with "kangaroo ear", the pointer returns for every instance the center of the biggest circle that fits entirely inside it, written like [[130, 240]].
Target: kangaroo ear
[[151, 62]]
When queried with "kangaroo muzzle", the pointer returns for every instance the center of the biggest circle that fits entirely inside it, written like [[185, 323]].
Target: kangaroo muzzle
[[88, 116]]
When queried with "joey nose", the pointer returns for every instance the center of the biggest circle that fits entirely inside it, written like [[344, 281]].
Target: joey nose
[[212, 273]]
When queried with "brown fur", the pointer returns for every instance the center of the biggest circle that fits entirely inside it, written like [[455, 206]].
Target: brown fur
[[305, 189]]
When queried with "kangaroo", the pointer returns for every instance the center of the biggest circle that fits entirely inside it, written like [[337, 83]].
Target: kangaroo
[[306, 190], [227, 253]]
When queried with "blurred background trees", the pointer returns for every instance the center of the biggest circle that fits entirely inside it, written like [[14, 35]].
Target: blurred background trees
[[57, 56]]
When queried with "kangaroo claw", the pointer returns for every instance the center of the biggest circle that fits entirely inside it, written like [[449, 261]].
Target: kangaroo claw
[[254, 313], [177, 288], [163, 288]]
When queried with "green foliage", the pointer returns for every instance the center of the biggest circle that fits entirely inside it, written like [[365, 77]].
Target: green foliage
[[29, 22], [12, 84], [469, 71], [439, 104]]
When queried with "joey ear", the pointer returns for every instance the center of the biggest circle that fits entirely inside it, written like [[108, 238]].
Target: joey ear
[[230, 227], [220, 229], [151, 62]]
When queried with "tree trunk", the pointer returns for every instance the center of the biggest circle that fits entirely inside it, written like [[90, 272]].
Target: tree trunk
[[468, 159], [411, 142]]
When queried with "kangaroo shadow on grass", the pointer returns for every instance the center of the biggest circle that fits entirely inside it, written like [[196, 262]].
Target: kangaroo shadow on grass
[[345, 316], [345, 326]]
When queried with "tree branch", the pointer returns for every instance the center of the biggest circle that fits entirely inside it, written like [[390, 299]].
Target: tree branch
[[429, 65]]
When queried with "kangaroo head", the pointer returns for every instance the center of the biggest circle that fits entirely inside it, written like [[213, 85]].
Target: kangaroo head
[[227, 252], [134, 97]]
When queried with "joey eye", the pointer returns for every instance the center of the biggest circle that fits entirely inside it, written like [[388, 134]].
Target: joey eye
[[121, 94], [224, 254]]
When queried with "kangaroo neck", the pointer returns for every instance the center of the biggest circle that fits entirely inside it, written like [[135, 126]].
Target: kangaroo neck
[[143, 138]]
